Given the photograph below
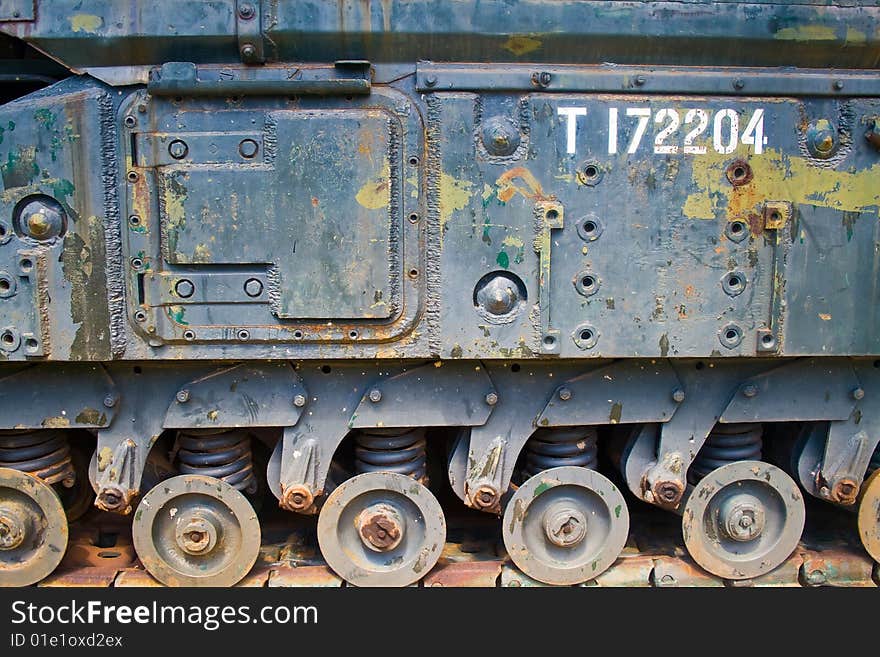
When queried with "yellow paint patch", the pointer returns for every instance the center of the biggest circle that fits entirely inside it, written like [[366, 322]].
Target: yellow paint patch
[[777, 177], [455, 194], [57, 422], [806, 33], [521, 45], [824, 317], [376, 192], [513, 241], [855, 36], [88, 23]]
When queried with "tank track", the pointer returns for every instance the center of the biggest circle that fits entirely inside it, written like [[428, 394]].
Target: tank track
[[101, 554]]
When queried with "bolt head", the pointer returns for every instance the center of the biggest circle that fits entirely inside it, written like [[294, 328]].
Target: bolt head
[[375, 395], [42, 218], [500, 136], [178, 149], [299, 401], [485, 497], [498, 296], [750, 390], [678, 395], [858, 393], [253, 287], [246, 12], [112, 498], [248, 51], [184, 288], [195, 534], [564, 394], [182, 396], [668, 492], [431, 81], [742, 517], [297, 498], [491, 399], [110, 401]]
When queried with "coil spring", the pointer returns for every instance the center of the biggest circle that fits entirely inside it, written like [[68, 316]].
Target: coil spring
[[551, 448], [727, 443], [223, 454], [44, 454], [391, 450]]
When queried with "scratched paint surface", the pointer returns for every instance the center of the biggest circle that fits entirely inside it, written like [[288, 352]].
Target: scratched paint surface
[[659, 265]]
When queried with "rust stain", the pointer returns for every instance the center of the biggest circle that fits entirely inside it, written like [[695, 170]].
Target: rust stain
[[528, 186]]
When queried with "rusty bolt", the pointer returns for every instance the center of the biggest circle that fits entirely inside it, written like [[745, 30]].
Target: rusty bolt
[[873, 133], [750, 390], [564, 394], [668, 492], [299, 401], [678, 395], [485, 497], [253, 287], [844, 491], [492, 398], [12, 530], [858, 393], [380, 527], [297, 498], [182, 396], [110, 401], [178, 149], [142, 108], [246, 12], [375, 395], [541, 79], [112, 498], [195, 534], [248, 51], [816, 577]]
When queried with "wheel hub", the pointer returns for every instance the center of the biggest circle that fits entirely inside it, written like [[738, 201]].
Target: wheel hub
[[380, 527], [12, 528], [742, 517], [197, 533], [565, 526]]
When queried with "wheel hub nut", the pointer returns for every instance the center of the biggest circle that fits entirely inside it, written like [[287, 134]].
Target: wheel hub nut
[[742, 517], [196, 534], [485, 497], [565, 526], [11, 530], [297, 498], [380, 527]]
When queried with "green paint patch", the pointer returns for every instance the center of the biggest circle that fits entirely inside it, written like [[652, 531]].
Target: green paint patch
[[487, 238], [617, 510], [542, 487], [616, 411], [45, 118], [503, 259], [176, 313]]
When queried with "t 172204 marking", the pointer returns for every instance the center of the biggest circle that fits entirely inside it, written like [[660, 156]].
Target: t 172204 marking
[[692, 129]]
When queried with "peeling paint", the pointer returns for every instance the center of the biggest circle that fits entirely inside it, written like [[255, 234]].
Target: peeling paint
[[376, 192], [88, 23], [779, 177], [521, 45]]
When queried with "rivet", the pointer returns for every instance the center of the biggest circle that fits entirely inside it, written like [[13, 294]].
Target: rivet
[[750, 390]]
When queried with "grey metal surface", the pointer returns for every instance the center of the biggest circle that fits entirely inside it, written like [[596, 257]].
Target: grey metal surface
[[419, 524], [196, 531], [869, 516], [565, 525]]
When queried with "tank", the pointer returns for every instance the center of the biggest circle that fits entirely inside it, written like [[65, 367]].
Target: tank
[[567, 268]]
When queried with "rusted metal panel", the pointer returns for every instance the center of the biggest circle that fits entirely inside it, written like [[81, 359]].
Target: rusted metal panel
[[81, 577], [303, 576], [468, 574], [629, 571], [681, 572], [837, 567]]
